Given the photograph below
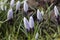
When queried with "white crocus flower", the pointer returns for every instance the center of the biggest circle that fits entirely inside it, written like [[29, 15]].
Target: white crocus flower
[[12, 3], [10, 14], [56, 11], [26, 24], [36, 36], [39, 15], [25, 6], [17, 5], [31, 22]]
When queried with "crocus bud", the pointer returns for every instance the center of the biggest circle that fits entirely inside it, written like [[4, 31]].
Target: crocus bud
[[25, 6], [17, 5], [26, 24], [31, 22], [10, 14], [56, 11], [12, 3], [36, 36], [39, 15]]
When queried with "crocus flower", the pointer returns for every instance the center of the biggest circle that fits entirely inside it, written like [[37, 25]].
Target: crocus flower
[[25, 6], [56, 11], [10, 14], [31, 22], [39, 15], [36, 36], [26, 24], [12, 3], [17, 5]]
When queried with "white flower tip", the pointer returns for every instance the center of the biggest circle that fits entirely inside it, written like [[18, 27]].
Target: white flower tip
[[38, 10], [31, 17], [18, 3], [56, 11], [55, 6], [24, 18]]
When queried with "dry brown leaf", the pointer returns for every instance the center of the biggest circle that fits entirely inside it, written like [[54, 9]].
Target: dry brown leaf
[[32, 3]]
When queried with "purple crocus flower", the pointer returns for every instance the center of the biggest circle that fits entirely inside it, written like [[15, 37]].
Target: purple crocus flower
[[39, 15], [10, 14], [17, 5], [25, 6], [26, 23], [31, 22], [12, 3]]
